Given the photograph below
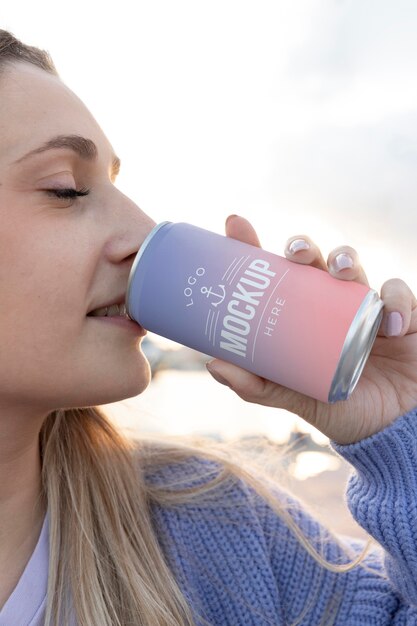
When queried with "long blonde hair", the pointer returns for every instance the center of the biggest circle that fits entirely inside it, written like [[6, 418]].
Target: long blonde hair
[[106, 563]]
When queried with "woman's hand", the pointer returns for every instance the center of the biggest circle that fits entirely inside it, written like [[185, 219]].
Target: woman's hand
[[388, 385]]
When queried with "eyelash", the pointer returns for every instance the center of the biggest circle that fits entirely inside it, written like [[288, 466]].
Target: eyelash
[[68, 194]]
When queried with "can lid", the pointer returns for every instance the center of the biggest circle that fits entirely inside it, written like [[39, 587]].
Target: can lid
[[357, 347], [137, 259]]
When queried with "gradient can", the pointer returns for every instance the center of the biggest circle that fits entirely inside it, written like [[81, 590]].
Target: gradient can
[[289, 323]]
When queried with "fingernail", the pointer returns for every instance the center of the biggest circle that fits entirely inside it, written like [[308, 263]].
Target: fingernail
[[298, 244], [217, 376], [394, 324], [230, 216], [342, 262]]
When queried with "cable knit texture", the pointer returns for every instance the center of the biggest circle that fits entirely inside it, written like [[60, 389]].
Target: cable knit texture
[[239, 564]]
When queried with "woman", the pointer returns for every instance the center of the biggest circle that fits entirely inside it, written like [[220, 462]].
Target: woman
[[96, 530]]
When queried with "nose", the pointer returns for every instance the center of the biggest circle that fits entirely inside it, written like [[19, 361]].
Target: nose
[[129, 227]]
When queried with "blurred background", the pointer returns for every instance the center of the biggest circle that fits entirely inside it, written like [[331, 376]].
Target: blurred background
[[300, 116]]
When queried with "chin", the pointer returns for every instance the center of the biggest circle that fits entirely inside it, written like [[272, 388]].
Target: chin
[[141, 382], [130, 386], [124, 384]]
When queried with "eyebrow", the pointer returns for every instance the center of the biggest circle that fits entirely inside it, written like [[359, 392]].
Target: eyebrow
[[85, 148]]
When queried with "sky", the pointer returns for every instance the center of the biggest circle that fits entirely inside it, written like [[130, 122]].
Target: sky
[[300, 116]]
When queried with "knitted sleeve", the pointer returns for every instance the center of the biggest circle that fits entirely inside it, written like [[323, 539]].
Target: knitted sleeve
[[238, 560], [382, 496]]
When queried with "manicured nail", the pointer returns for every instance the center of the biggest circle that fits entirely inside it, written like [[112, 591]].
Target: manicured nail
[[342, 262], [217, 376], [394, 324], [298, 244]]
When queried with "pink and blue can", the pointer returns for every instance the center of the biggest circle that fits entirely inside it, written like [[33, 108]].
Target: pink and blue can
[[289, 323]]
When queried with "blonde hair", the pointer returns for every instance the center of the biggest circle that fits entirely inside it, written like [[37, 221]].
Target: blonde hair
[[106, 563], [100, 487]]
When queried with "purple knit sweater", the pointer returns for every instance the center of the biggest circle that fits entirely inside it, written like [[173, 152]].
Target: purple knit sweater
[[241, 565]]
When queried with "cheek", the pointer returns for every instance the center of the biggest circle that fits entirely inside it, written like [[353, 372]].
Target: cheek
[[41, 285], [31, 275], [39, 251], [39, 328]]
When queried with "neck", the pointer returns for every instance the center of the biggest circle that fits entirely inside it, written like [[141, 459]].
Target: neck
[[22, 506]]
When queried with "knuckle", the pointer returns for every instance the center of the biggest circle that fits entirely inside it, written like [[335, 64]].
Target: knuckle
[[395, 290], [395, 284], [244, 395], [253, 391]]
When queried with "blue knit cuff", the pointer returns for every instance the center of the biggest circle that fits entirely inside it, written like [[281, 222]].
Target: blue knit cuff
[[382, 496], [386, 472], [400, 436]]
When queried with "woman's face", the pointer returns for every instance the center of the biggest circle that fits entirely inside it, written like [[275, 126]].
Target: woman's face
[[62, 258]]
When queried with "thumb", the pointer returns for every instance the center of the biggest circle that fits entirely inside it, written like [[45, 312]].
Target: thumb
[[255, 389], [244, 383]]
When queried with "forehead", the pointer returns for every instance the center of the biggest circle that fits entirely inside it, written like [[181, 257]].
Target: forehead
[[35, 106]]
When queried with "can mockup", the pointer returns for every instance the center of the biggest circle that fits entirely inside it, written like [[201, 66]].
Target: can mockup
[[292, 324]]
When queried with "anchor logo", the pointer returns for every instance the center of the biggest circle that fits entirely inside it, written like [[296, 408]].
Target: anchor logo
[[210, 292]]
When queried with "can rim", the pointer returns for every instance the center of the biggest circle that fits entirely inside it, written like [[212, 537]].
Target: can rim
[[141, 250], [357, 347]]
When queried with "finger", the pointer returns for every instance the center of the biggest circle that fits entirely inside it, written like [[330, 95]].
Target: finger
[[255, 389], [337, 263], [250, 387], [344, 263], [400, 310], [240, 228], [303, 250]]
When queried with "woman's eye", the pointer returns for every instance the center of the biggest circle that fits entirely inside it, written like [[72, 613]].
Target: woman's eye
[[67, 194]]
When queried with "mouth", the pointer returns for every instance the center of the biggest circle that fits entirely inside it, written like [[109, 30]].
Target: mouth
[[116, 315], [116, 307], [110, 310]]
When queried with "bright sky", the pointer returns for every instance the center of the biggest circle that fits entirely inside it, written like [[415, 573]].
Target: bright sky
[[301, 116]]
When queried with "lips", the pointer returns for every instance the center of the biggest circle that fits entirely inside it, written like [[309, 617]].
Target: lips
[[110, 311], [115, 307]]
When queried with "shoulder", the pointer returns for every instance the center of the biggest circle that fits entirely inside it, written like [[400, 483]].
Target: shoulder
[[192, 492], [203, 495]]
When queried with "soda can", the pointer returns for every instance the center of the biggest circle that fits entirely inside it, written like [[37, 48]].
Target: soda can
[[292, 324]]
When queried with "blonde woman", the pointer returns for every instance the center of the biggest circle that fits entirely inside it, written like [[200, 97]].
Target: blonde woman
[[97, 530]]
